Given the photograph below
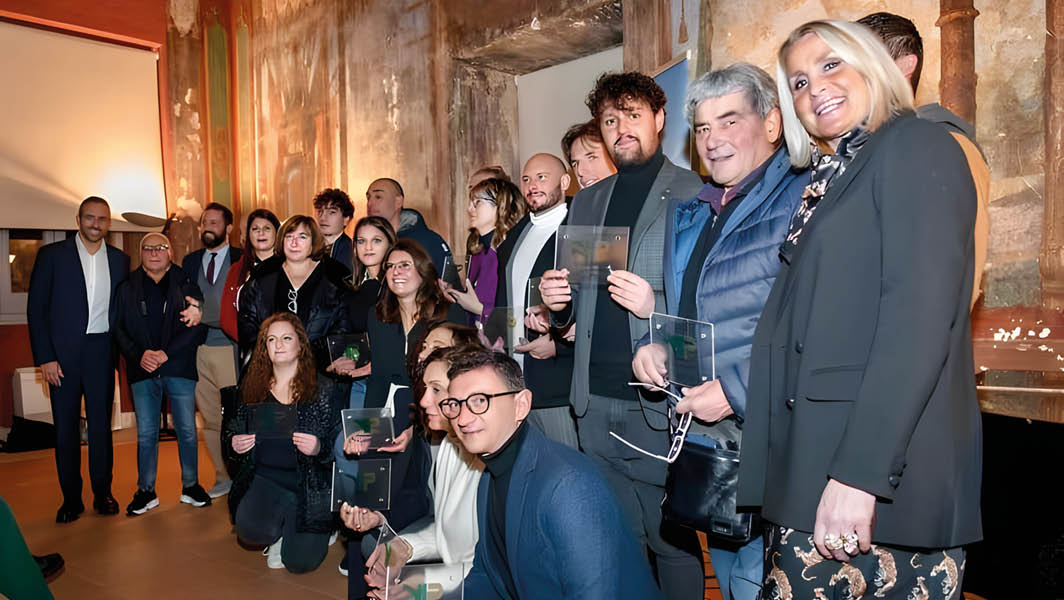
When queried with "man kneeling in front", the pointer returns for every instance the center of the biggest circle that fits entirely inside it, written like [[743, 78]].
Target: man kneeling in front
[[549, 525]]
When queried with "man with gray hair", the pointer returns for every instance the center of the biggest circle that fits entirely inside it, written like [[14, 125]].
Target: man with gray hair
[[721, 257]]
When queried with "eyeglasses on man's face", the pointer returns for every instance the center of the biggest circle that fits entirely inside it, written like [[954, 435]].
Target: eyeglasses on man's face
[[476, 404], [154, 249]]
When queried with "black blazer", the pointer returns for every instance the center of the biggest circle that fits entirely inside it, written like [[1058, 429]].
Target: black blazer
[[862, 361], [193, 262], [58, 305], [129, 326]]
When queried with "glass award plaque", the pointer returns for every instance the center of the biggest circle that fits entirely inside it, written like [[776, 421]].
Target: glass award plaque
[[534, 298], [591, 253], [375, 423], [452, 274], [428, 582], [352, 345], [272, 420], [689, 349], [499, 328], [370, 487]]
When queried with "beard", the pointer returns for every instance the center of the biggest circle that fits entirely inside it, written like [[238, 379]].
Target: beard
[[553, 198], [211, 239]]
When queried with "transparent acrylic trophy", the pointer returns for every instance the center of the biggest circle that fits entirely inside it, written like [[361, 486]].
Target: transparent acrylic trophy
[[370, 487], [453, 274], [689, 349], [591, 253], [534, 298], [374, 424], [428, 582], [500, 326]]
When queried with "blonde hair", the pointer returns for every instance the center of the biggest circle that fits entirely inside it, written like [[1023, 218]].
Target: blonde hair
[[859, 47]]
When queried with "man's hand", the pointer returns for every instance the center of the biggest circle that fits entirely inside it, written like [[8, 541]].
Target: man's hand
[[706, 401], [537, 318], [648, 365], [243, 442], [844, 511], [52, 373], [540, 348], [307, 443], [632, 292], [152, 359], [191, 316], [554, 287]]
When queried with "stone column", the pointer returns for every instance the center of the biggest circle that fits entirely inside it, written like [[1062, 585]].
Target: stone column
[[1051, 261], [957, 85]]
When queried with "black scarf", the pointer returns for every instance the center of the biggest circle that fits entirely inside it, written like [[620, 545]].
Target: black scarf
[[826, 169]]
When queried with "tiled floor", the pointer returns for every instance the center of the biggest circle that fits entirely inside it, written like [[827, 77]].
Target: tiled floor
[[174, 551]]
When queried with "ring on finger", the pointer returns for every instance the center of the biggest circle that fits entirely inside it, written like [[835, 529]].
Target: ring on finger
[[833, 542]]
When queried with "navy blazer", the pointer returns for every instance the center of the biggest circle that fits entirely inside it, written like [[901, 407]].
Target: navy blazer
[[565, 534], [58, 306], [129, 325]]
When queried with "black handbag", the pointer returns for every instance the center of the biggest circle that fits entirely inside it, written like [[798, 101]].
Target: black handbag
[[700, 493]]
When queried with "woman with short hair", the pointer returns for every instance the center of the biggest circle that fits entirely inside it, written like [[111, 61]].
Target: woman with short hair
[[862, 441]]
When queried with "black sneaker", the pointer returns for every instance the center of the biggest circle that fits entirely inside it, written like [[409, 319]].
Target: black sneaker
[[143, 501], [195, 496]]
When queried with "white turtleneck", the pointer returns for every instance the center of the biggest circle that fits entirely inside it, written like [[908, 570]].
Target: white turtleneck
[[542, 226]]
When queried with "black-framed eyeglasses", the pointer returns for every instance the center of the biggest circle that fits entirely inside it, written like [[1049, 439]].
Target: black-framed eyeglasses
[[477, 404]]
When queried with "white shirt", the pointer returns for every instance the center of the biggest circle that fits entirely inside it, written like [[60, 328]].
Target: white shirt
[[97, 285], [219, 255], [524, 258], [451, 537]]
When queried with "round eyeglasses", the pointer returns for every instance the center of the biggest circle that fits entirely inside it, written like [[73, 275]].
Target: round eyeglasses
[[477, 404]]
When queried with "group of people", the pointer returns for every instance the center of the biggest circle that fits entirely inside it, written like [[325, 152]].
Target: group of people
[[836, 250]]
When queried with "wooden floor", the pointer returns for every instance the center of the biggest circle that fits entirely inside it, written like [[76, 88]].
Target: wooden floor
[[174, 551]]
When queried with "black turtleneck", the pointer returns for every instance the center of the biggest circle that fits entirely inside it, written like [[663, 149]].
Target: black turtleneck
[[500, 464], [610, 368]]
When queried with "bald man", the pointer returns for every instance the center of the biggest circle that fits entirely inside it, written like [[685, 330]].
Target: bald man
[[385, 198], [527, 252], [155, 323]]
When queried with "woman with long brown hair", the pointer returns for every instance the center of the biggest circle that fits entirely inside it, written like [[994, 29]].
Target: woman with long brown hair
[[281, 493], [495, 206]]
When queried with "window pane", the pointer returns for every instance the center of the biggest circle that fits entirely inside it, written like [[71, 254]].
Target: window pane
[[22, 251]]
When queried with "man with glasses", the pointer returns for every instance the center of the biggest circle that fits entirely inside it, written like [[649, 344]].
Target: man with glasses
[[549, 525], [159, 344], [216, 358], [69, 299]]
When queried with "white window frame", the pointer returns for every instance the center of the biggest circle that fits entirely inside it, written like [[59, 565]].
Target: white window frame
[[13, 305]]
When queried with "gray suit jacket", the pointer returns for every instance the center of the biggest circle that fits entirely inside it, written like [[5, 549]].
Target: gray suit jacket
[[646, 249]]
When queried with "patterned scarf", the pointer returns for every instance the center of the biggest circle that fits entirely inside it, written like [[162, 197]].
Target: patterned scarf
[[826, 168]]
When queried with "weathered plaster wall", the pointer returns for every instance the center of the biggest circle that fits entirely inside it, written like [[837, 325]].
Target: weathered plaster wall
[[1010, 38]]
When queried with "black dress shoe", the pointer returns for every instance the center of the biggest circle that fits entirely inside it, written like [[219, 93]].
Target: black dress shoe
[[106, 505], [69, 512], [50, 565]]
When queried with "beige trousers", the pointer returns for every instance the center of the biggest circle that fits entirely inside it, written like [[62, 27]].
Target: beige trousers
[[216, 369]]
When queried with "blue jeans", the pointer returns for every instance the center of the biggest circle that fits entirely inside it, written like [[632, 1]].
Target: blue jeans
[[739, 571], [147, 403]]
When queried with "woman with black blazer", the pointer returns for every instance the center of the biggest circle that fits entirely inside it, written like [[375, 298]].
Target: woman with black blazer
[[302, 280], [862, 441]]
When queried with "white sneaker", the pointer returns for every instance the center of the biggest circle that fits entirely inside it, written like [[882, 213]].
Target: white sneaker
[[220, 488], [332, 538], [273, 555], [342, 567]]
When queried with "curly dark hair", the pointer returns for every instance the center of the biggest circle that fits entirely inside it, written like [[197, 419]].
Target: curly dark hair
[[259, 377], [619, 89]]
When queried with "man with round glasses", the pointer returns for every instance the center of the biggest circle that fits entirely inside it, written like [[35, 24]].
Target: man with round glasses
[[549, 525], [158, 335]]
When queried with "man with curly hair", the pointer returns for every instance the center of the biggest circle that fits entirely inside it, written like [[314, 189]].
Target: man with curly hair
[[630, 111]]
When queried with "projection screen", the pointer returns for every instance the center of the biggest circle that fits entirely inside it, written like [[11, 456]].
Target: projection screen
[[78, 118]]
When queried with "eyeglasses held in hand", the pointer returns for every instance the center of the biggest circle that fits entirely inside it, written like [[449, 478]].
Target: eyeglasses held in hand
[[678, 426], [477, 404]]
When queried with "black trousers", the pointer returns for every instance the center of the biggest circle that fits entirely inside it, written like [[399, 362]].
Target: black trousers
[[267, 512], [91, 375]]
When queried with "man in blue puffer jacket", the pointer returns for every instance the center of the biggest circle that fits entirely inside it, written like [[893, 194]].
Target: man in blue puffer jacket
[[721, 258]]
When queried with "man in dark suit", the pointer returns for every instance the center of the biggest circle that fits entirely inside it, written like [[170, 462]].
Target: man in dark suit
[[333, 210], [550, 527], [630, 110], [159, 344], [69, 300], [216, 357]]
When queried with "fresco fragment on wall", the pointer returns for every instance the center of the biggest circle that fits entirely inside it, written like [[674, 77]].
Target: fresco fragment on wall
[[186, 175], [219, 144], [294, 65]]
